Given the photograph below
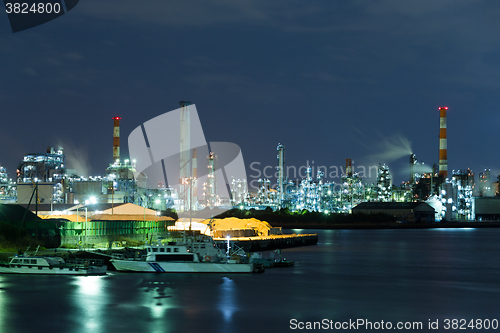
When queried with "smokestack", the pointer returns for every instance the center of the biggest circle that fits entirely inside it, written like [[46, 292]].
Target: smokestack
[[281, 175], [116, 139], [413, 161], [211, 182], [443, 147], [195, 174], [185, 170]]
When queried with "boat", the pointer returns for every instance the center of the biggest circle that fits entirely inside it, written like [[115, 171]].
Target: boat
[[271, 262], [197, 254], [33, 264], [281, 262]]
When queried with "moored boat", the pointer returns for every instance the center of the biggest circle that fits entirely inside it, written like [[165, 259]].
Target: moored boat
[[271, 262], [27, 264], [194, 255]]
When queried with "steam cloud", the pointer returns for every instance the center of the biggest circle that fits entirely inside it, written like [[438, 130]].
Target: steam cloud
[[391, 149], [76, 158]]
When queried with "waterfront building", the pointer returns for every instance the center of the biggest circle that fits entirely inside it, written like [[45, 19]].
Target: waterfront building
[[401, 211]]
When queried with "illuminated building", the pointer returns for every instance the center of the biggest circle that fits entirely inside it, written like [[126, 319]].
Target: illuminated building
[[384, 183], [8, 189], [40, 167], [352, 189], [210, 187], [463, 201], [239, 191], [485, 184]]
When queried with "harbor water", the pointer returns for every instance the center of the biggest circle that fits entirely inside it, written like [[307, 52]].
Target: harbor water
[[394, 276]]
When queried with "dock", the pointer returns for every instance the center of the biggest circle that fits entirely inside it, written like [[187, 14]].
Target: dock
[[271, 242]]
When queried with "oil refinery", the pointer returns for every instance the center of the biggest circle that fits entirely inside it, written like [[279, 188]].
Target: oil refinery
[[453, 196]]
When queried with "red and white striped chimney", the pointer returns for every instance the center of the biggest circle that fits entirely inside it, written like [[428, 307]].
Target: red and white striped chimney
[[443, 146], [116, 139]]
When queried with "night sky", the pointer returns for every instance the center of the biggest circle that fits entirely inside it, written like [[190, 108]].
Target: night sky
[[329, 80]]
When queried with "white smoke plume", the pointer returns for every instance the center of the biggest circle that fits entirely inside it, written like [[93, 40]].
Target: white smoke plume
[[76, 158], [418, 168], [390, 149]]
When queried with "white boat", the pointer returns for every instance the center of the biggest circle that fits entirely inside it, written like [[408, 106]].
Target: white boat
[[27, 264], [196, 255]]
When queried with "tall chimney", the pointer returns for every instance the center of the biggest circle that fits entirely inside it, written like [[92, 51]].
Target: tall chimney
[[281, 174], [185, 170], [195, 174], [116, 139], [413, 161], [211, 181], [443, 147]]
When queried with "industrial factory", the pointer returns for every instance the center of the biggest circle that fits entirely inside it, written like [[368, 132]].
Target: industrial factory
[[450, 197], [47, 187]]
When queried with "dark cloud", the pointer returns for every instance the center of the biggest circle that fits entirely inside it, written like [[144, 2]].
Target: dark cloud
[[300, 73]]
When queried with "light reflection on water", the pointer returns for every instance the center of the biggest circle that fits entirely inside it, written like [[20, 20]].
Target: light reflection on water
[[157, 297], [3, 303], [454, 229], [227, 303], [91, 299], [409, 275]]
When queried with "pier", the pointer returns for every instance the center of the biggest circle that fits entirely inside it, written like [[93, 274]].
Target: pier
[[272, 242]]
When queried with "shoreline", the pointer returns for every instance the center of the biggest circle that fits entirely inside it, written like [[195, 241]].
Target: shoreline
[[388, 225]]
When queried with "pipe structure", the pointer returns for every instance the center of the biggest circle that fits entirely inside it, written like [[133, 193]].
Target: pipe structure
[[281, 171], [443, 145], [185, 168], [116, 139]]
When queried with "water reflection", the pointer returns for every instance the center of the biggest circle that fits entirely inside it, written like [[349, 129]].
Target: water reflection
[[397, 275], [91, 299], [3, 303], [454, 229], [157, 297], [227, 303]]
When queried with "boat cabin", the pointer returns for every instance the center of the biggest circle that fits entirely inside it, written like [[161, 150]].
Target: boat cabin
[[196, 251], [170, 253], [36, 261]]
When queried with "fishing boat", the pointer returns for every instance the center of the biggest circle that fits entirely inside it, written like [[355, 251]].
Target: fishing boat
[[193, 255], [33, 264]]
